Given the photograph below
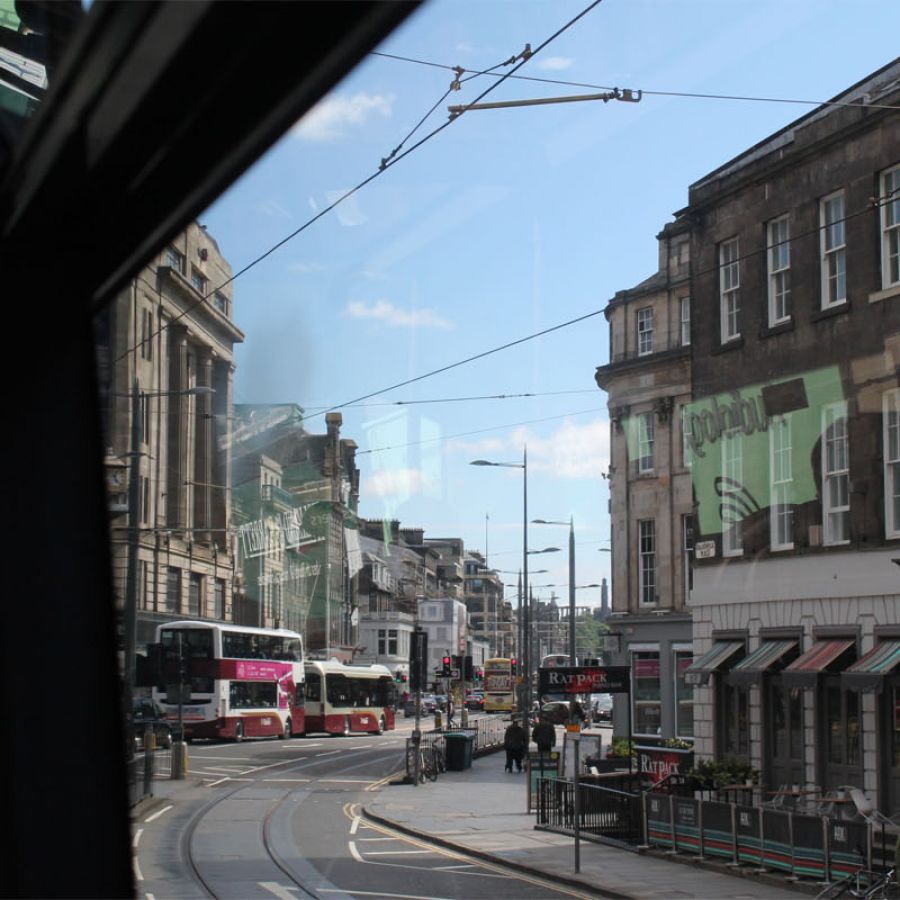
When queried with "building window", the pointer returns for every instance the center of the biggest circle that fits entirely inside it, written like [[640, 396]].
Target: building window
[[729, 289], [732, 486], [779, 257], [645, 330], [173, 589], [381, 641], [195, 594], [146, 334], [143, 580], [221, 302], [392, 642], [175, 259], [647, 570], [198, 280], [220, 598], [684, 695], [732, 718], [890, 227], [835, 475], [891, 427], [145, 418], [144, 486], [686, 435], [645, 442], [781, 510], [687, 555], [684, 309], [834, 250], [646, 690]]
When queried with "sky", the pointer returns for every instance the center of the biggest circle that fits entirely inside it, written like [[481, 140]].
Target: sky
[[504, 224]]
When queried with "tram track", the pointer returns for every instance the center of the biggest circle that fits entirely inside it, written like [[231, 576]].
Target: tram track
[[201, 870]]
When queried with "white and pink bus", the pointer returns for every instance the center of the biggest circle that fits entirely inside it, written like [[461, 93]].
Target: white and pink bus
[[244, 681], [343, 698]]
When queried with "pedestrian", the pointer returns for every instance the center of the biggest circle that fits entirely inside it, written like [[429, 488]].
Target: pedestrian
[[515, 740], [579, 712], [544, 735], [451, 710]]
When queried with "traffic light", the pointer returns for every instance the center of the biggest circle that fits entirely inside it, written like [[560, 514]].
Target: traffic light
[[468, 673], [479, 674], [512, 664], [446, 666], [457, 662]]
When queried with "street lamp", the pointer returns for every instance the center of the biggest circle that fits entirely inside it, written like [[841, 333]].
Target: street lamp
[[571, 524], [524, 467]]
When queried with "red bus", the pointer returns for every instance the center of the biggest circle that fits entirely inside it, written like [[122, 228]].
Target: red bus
[[242, 681], [343, 698]]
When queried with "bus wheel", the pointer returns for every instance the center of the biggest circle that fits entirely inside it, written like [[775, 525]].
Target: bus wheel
[[288, 728], [239, 732], [381, 725]]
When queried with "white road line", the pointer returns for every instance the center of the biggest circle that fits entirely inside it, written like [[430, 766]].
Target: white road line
[[379, 839], [328, 753], [137, 838], [449, 868], [275, 888], [291, 780], [354, 852], [399, 852], [204, 757], [227, 778], [138, 874], [156, 815], [355, 825], [377, 894], [344, 781]]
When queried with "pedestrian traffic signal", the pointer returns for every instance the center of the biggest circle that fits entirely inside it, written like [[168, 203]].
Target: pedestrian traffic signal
[[446, 665], [512, 665]]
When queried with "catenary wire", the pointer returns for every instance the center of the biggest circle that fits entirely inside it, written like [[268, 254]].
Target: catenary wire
[[599, 87], [526, 55], [312, 410]]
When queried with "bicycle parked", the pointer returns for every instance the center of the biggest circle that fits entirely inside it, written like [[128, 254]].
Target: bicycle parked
[[865, 884]]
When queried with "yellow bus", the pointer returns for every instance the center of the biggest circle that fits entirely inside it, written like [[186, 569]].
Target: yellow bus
[[499, 689]]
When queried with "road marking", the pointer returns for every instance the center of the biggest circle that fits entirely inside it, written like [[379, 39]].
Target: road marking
[[355, 825], [378, 839], [227, 778], [138, 874], [292, 780], [378, 894], [399, 852], [344, 781], [450, 868], [328, 753], [279, 891], [354, 852], [156, 815], [137, 838]]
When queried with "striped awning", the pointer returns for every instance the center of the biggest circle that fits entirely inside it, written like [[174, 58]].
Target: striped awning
[[867, 673], [768, 655], [804, 672], [699, 670]]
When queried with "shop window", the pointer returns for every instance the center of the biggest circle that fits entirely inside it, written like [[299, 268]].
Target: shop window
[[646, 692]]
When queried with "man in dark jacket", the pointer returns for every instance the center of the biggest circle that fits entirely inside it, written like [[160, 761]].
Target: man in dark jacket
[[544, 735], [515, 740]]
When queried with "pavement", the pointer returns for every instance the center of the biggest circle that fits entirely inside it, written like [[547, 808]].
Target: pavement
[[481, 811]]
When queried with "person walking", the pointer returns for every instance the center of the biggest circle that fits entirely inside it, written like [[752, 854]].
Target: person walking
[[515, 740], [544, 735], [451, 711]]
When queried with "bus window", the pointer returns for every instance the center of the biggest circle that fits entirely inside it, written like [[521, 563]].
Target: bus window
[[314, 687], [253, 695], [338, 690], [199, 641]]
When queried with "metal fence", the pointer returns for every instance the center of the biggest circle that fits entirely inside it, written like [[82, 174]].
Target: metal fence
[[604, 813]]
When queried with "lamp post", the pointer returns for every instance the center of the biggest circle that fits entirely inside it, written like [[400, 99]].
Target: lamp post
[[571, 524], [129, 618], [524, 467]]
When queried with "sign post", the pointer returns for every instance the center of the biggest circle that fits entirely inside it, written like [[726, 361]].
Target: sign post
[[576, 806]]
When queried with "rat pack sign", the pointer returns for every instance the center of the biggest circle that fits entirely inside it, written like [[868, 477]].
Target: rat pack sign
[[584, 680], [657, 763]]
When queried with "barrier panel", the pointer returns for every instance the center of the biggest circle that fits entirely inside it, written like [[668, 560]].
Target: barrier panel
[[686, 821], [809, 847], [777, 844], [848, 848], [748, 836], [717, 830], [659, 820]]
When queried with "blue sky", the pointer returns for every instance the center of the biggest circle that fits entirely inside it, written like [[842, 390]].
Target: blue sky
[[506, 223]]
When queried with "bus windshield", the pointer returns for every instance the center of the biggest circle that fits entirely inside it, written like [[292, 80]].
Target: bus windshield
[[199, 641], [246, 645]]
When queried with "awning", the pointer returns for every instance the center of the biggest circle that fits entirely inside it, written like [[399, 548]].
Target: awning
[[805, 671], [766, 656], [867, 673], [699, 670]]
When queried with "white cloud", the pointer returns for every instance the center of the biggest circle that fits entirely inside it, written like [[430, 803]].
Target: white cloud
[[395, 483], [305, 268], [273, 209], [571, 452], [390, 315], [333, 116], [555, 63]]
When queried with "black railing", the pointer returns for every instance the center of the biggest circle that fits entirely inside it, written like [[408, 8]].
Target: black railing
[[604, 813]]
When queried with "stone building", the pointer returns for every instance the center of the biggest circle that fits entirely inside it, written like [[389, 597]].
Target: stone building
[[648, 379], [794, 439], [165, 372]]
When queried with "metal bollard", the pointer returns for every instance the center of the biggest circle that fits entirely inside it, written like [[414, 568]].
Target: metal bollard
[[437, 720], [179, 760]]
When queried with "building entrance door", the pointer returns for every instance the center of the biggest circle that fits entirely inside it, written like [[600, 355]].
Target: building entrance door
[[840, 737], [783, 760]]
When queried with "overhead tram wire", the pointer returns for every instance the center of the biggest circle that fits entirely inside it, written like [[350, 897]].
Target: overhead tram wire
[[523, 58], [599, 87], [450, 437]]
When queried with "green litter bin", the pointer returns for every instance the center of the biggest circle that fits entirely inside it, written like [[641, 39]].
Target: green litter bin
[[459, 750]]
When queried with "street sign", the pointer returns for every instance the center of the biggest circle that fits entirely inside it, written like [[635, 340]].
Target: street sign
[[704, 549], [454, 674], [585, 680]]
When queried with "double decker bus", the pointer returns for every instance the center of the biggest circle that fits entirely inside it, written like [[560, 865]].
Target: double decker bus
[[342, 698], [499, 691], [241, 681], [553, 661]]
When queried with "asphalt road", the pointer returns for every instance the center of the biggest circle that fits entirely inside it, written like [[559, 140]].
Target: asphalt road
[[282, 819]]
